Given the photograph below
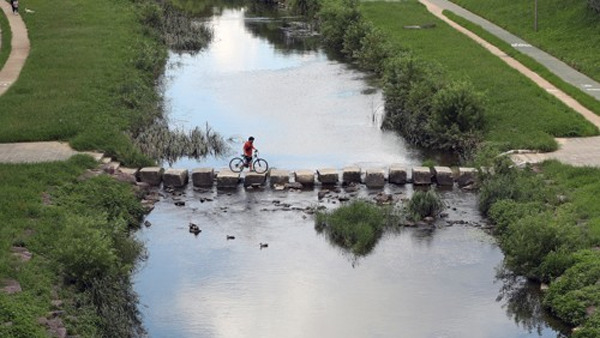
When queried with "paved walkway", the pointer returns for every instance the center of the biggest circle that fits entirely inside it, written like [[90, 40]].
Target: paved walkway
[[574, 151]]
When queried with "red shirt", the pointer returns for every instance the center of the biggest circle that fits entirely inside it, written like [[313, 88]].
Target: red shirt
[[248, 147]]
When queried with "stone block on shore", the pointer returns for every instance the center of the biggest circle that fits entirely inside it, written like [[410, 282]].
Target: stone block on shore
[[151, 175]]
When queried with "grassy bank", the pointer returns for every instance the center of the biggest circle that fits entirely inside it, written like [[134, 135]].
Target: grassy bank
[[82, 255], [87, 79], [548, 226], [567, 29], [518, 114], [586, 100]]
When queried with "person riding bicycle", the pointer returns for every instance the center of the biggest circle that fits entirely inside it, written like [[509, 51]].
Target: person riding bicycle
[[248, 148]]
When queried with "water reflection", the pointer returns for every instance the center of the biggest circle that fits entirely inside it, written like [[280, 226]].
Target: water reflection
[[523, 303], [304, 110]]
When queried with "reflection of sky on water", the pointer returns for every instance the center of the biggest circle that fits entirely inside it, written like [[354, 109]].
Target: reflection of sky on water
[[415, 283], [304, 110]]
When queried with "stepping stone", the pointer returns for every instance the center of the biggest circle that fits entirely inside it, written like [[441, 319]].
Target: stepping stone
[[421, 175], [203, 177], [444, 176], [327, 176], [375, 178], [305, 177], [398, 174], [151, 175], [351, 175], [227, 179], [279, 177], [176, 178]]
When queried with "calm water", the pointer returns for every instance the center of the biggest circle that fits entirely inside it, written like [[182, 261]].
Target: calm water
[[307, 112]]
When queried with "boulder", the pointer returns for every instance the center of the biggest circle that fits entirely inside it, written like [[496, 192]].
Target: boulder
[[203, 177], [151, 175], [176, 178]]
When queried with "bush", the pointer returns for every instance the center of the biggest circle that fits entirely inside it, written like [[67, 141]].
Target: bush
[[84, 251], [528, 241], [423, 204], [334, 19], [457, 117], [503, 213], [306, 8]]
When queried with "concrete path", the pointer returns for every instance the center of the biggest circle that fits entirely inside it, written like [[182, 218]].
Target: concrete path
[[574, 151], [19, 51], [35, 152]]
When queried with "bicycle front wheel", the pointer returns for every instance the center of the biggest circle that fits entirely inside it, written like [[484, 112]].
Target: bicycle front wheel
[[260, 166], [236, 164]]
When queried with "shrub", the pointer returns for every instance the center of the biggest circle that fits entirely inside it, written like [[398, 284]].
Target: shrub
[[306, 8], [356, 226], [423, 204], [84, 251], [528, 241], [505, 212], [457, 117], [334, 18]]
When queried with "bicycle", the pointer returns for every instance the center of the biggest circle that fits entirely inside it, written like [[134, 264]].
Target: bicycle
[[259, 165]]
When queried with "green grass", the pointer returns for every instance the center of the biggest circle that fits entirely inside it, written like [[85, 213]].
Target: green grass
[[519, 114], [567, 29], [548, 225], [80, 68], [5, 38], [586, 100], [72, 239]]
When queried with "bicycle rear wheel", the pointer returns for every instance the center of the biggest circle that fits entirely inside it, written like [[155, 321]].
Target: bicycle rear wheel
[[260, 166], [236, 164]]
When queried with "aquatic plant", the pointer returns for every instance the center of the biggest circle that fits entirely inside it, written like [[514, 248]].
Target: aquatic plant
[[424, 204], [164, 144], [356, 226]]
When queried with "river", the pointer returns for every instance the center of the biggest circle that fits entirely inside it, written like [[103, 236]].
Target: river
[[308, 111]]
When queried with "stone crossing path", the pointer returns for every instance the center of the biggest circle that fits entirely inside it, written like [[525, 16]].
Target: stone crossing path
[[574, 151]]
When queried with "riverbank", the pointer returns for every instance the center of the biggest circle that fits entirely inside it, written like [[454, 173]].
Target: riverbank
[[65, 251]]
